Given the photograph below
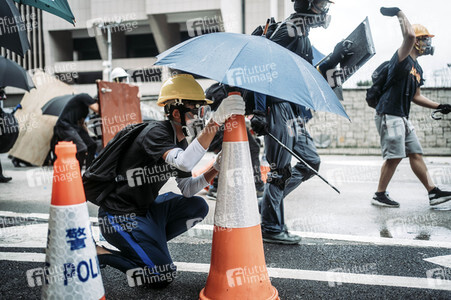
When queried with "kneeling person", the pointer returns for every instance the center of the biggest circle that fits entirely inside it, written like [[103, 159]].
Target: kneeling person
[[134, 217]]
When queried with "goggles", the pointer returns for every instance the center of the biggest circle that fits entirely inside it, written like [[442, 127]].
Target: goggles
[[321, 6]]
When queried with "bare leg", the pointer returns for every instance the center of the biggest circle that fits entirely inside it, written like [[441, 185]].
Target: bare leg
[[387, 171], [421, 171], [101, 250]]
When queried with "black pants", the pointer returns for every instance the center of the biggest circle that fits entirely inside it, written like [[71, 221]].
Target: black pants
[[142, 240], [284, 125]]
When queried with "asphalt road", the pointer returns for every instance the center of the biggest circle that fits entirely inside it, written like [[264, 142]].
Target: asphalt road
[[350, 249]]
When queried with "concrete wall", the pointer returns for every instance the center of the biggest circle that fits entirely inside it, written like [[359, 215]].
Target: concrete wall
[[361, 135]]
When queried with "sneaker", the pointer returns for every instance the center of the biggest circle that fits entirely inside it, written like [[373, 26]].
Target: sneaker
[[437, 196], [383, 199], [283, 237], [212, 191]]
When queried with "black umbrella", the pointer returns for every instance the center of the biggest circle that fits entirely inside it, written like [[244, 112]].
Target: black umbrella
[[11, 74], [13, 33], [55, 106]]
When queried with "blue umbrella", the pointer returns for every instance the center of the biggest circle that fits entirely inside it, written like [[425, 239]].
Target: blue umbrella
[[254, 63]]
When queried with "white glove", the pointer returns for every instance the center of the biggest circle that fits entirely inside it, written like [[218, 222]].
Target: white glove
[[217, 163], [232, 105]]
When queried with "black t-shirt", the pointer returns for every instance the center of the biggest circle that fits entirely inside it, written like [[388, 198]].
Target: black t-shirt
[[404, 78], [145, 170], [76, 109]]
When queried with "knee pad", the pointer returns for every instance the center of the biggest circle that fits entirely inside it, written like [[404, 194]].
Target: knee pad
[[280, 176]]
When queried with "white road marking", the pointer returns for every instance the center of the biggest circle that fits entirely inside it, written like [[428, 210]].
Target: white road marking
[[361, 239], [333, 278], [444, 261], [35, 236]]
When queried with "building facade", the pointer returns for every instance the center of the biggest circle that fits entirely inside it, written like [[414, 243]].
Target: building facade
[[130, 34]]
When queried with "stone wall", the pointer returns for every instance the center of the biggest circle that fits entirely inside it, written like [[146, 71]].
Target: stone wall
[[334, 134]]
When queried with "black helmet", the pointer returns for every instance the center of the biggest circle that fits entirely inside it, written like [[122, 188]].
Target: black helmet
[[312, 6]]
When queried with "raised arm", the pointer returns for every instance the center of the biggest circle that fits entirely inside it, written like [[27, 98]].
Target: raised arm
[[408, 33]]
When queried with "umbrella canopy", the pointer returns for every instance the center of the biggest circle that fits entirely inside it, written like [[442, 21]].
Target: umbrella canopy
[[13, 33], [55, 106], [254, 63], [11, 74], [58, 8]]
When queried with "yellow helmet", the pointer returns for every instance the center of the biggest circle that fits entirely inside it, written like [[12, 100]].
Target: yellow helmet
[[182, 87], [420, 30]]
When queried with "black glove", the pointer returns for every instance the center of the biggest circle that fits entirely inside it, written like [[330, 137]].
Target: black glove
[[445, 108], [390, 11], [342, 49], [258, 123]]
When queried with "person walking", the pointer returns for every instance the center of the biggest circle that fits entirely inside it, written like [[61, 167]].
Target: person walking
[[397, 135], [287, 121]]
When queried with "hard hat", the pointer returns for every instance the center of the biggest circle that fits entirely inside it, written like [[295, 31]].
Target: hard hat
[[181, 87], [118, 73], [420, 30]]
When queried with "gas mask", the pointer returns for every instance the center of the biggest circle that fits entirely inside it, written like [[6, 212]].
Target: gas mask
[[196, 119], [310, 20], [424, 46], [312, 13]]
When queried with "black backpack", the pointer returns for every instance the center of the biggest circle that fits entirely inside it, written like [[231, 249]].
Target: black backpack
[[379, 78], [101, 177]]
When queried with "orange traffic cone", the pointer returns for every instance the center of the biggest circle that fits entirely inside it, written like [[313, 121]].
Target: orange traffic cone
[[237, 269], [72, 269]]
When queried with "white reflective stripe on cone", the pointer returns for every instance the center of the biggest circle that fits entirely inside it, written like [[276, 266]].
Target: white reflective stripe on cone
[[236, 200], [71, 261]]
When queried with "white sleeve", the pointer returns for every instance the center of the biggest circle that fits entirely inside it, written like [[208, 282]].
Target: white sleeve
[[190, 186], [185, 160]]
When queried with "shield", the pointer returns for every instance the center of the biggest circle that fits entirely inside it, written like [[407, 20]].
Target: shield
[[11, 74], [56, 105], [58, 8], [254, 63], [363, 48], [119, 106], [13, 33], [36, 129]]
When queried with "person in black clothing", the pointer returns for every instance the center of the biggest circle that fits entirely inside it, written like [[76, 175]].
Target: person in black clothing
[[397, 135], [217, 93], [286, 121], [134, 217], [70, 127], [3, 179]]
